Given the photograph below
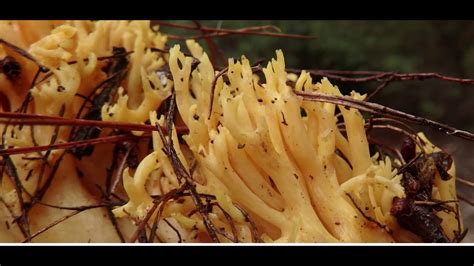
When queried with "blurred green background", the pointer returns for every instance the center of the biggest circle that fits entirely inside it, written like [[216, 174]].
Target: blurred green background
[[446, 47]]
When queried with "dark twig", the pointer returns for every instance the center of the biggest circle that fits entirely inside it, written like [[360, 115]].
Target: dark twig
[[23, 221], [73, 144], [381, 110], [213, 89], [253, 226], [465, 182], [214, 32], [216, 52], [25, 54], [366, 216], [180, 240], [181, 173], [34, 119], [468, 201]]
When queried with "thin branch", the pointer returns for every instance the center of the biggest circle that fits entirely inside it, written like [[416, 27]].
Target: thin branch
[[181, 173], [379, 88], [24, 53], [383, 226], [28, 239], [465, 182], [381, 144], [118, 176], [213, 89], [180, 240], [231, 223], [216, 52], [73, 144], [113, 221], [23, 221], [465, 200], [40, 192], [380, 76], [144, 222], [35, 119], [214, 32], [253, 226], [381, 110]]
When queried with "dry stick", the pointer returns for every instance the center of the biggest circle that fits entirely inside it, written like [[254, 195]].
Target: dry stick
[[382, 145], [379, 109], [46, 77], [433, 203], [28, 239], [77, 210], [172, 194], [121, 167], [144, 222], [181, 173], [80, 208], [116, 72], [12, 213], [72, 144], [410, 132], [58, 221], [110, 170], [243, 32], [163, 200], [383, 226], [194, 27], [24, 105], [321, 73], [15, 218], [45, 157], [227, 32], [12, 173], [399, 130], [56, 131], [230, 221], [113, 220], [379, 88], [40, 192], [83, 97], [423, 76], [28, 56], [385, 77], [110, 214], [253, 226], [24, 54], [215, 51], [409, 163], [94, 90], [349, 72], [106, 195], [466, 200], [375, 75], [385, 119], [213, 90], [220, 230], [465, 182], [34, 119], [223, 72], [180, 240], [154, 227], [458, 235]]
